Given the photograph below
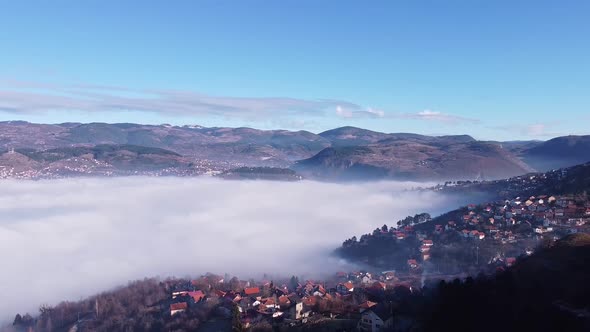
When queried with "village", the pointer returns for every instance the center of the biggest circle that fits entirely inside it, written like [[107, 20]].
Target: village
[[476, 237], [340, 303], [356, 300]]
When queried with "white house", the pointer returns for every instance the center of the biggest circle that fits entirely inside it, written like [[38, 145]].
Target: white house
[[374, 320]]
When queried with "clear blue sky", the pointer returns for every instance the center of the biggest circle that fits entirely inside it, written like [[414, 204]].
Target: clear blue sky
[[492, 69]]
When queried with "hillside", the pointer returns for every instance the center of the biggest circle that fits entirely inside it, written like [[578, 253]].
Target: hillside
[[547, 291], [338, 154], [558, 152], [240, 145], [351, 136], [99, 160], [415, 159], [518, 215], [574, 180]]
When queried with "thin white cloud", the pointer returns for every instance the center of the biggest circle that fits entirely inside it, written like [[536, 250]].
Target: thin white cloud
[[349, 113], [32, 98], [538, 129], [67, 239], [535, 130], [436, 116]]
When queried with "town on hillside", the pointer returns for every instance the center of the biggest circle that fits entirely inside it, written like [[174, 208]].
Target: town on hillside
[[477, 237]]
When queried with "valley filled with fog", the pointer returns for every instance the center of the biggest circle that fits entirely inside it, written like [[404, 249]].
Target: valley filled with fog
[[67, 239]]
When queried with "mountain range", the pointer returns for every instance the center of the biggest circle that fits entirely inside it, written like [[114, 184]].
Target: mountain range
[[341, 153]]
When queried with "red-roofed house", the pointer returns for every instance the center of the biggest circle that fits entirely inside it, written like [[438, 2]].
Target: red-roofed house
[[197, 295], [284, 301], [366, 305], [510, 261], [377, 285], [270, 303], [345, 287], [310, 301], [251, 291], [176, 308], [412, 263]]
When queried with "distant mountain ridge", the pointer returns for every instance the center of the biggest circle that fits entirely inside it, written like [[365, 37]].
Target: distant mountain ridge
[[559, 152], [240, 145], [340, 153], [411, 159]]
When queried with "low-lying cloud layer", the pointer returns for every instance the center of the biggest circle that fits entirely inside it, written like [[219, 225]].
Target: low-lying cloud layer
[[67, 239]]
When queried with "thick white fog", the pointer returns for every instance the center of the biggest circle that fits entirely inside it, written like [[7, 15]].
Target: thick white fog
[[67, 239]]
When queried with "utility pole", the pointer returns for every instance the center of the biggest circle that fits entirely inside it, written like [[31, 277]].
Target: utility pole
[[477, 255]]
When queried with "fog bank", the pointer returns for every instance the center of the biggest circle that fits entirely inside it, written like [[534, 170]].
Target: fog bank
[[67, 239]]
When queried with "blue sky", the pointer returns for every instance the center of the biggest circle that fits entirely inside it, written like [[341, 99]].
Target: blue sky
[[491, 69]]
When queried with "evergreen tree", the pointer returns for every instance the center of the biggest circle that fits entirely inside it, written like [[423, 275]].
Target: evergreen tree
[[293, 283]]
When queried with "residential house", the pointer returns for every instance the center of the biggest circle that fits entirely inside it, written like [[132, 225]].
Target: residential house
[[345, 288], [176, 308], [378, 285], [366, 305], [299, 312], [284, 302], [197, 296], [389, 275], [510, 261], [412, 263], [270, 304], [424, 248], [252, 291], [375, 319]]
